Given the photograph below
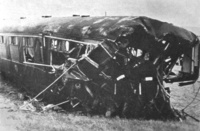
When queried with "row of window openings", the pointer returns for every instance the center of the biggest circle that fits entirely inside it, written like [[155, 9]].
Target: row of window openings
[[58, 45], [27, 41], [29, 54]]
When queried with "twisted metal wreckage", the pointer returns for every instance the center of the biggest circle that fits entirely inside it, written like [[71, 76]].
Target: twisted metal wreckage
[[104, 65]]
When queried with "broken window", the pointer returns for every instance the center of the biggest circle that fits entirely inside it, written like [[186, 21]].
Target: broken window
[[58, 50], [13, 40], [60, 45], [54, 44], [58, 58], [29, 53], [38, 58]]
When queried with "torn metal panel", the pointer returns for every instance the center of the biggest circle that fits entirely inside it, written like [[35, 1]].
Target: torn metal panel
[[106, 65]]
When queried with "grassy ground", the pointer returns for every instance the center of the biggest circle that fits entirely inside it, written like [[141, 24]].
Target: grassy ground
[[13, 119]]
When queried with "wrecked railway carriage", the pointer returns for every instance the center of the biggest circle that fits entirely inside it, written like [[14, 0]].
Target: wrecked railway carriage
[[104, 65]]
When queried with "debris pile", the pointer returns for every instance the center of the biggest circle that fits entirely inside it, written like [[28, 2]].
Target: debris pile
[[117, 78], [124, 73]]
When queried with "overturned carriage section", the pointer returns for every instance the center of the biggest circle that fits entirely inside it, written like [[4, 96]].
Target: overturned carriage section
[[102, 65]]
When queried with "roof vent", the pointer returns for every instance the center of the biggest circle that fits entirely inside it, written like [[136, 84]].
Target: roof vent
[[76, 15], [85, 16], [22, 17], [46, 16]]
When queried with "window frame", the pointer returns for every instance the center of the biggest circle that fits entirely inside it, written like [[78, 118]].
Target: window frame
[[28, 55], [13, 40]]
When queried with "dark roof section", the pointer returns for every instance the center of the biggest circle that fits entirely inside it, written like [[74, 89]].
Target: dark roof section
[[98, 28]]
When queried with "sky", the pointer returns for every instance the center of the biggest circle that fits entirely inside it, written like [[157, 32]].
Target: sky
[[178, 12]]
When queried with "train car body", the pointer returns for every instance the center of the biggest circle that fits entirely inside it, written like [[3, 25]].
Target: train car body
[[109, 65]]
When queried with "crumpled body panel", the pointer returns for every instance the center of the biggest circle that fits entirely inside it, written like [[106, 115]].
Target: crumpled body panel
[[121, 70]]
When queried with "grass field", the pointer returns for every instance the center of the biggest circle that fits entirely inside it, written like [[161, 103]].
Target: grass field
[[13, 119]]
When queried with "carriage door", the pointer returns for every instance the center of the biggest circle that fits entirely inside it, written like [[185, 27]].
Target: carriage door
[[14, 56]]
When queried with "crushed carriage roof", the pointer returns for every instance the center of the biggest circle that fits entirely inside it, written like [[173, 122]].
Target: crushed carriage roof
[[98, 28]]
